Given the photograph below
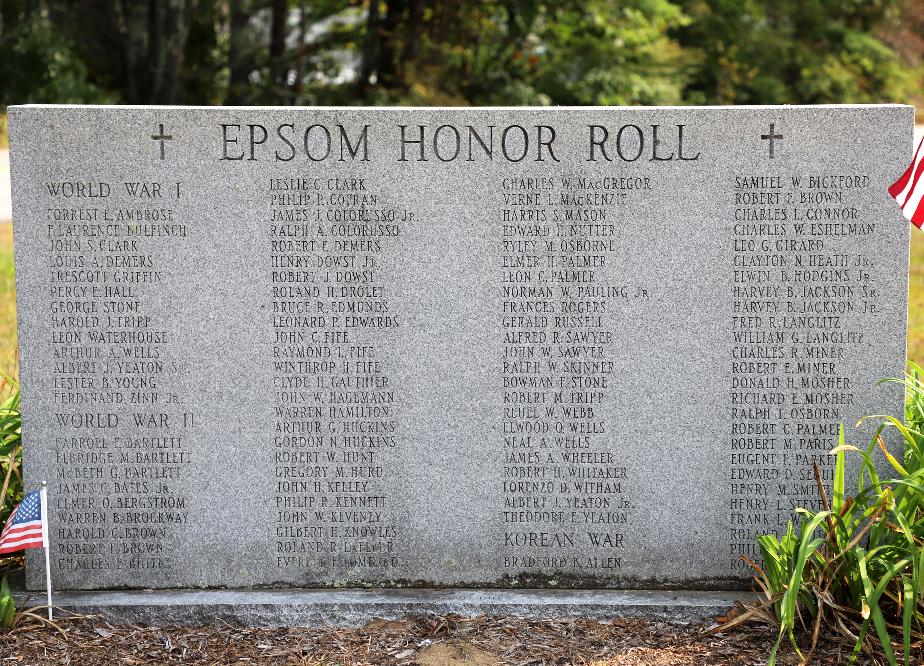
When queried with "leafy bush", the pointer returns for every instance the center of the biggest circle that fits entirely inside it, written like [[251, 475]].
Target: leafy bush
[[39, 65], [855, 568], [11, 492]]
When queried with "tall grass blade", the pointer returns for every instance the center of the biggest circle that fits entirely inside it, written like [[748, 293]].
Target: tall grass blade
[[907, 614], [856, 568]]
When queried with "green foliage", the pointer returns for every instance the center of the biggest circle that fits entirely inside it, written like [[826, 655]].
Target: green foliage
[[543, 52], [11, 491], [856, 567], [7, 605], [613, 53], [497, 52], [37, 64], [792, 52], [8, 340]]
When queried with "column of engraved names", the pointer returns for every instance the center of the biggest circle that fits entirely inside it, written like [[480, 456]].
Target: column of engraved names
[[120, 444], [800, 287], [563, 480], [335, 410]]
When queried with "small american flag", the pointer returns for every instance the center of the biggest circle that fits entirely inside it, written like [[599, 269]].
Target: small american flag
[[24, 529], [908, 190]]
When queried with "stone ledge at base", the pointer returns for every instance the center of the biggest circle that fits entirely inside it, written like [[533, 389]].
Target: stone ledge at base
[[356, 607]]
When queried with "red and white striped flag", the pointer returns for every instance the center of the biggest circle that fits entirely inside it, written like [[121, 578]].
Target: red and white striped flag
[[26, 525], [908, 190]]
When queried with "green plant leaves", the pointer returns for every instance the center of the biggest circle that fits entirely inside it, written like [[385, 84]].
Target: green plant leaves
[[857, 567], [7, 606], [11, 481]]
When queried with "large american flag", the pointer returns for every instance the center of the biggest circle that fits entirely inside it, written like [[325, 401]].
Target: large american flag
[[24, 527], [908, 190]]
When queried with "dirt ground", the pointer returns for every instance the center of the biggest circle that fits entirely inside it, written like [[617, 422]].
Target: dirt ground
[[444, 641]]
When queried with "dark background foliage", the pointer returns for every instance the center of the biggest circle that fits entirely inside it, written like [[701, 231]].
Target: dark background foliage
[[461, 52]]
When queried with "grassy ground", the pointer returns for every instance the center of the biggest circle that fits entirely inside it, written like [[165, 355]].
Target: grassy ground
[[7, 286], [8, 345], [916, 298]]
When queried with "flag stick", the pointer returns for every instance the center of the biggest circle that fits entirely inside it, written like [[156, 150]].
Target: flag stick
[[44, 498]]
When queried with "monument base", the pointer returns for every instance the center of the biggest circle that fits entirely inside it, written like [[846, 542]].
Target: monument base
[[356, 607]]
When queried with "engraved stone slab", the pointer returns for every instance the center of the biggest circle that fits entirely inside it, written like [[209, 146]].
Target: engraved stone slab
[[455, 347]]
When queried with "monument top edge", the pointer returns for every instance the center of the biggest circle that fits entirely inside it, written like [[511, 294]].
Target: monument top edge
[[755, 107]]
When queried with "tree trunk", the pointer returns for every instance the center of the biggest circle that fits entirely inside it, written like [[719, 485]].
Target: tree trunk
[[238, 64], [134, 29], [154, 38], [389, 65], [415, 24], [168, 27], [277, 48], [302, 60], [370, 52]]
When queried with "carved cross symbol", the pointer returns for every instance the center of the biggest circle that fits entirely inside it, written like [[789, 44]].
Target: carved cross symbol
[[166, 137], [771, 136]]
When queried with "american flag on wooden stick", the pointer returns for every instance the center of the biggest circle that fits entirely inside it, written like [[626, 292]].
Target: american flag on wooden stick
[[908, 190], [25, 527]]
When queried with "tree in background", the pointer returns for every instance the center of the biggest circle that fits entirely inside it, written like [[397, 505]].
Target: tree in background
[[903, 32], [37, 63], [525, 52], [504, 52], [792, 52]]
